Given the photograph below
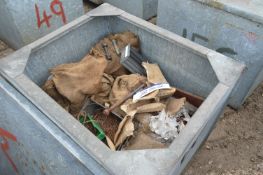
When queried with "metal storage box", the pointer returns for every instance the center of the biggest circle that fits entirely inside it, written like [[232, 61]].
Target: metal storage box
[[141, 8], [57, 143], [22, 22], [234, 28]]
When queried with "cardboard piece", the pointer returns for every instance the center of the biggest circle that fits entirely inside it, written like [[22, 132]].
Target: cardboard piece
[[125, 129]]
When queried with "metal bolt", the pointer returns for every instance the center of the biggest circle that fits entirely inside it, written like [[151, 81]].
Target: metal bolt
[[106, 52], [117, 50]]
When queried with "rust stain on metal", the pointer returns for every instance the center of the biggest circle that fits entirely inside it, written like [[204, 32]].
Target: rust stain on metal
[[212, 3], [216, 4], [193, 99], [42, 169], [250, 35]]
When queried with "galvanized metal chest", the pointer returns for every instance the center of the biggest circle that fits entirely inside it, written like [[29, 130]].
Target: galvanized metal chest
[[22, 22], [234, 28], [48, 140]]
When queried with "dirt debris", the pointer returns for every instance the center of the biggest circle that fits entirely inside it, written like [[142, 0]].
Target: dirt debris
[[109, 124], [3, 46], [235, 144], [4, 50]]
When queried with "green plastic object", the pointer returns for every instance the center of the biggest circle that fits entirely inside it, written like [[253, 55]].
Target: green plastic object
[[101, 134]]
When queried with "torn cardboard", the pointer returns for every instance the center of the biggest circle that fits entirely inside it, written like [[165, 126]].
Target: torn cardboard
[[154, 73], [174, 105], [125, 129]]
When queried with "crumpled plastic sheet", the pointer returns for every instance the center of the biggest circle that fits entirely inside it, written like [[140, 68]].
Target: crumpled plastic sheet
[[164, 126]]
